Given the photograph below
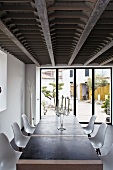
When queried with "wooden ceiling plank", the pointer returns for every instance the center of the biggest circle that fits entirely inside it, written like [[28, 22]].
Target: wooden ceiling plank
[[16, 7], [15, 15], [42, 11], [15, 1], [70, 6], [95, 15], [107, 47], [17, 42], [106, 61]]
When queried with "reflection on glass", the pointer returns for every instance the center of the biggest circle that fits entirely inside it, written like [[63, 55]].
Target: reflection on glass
[[48, 91], [102, 95], [83, 94], [66, 89]]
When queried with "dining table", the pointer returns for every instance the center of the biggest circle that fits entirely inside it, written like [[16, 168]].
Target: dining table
[[53, 149]]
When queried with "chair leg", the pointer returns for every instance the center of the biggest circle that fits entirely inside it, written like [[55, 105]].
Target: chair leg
[[98, 151], [20, 149], [89, 135]]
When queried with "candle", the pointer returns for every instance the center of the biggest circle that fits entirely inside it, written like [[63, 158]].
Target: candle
[[65, 103], [58, 106], [68, 104], [62, 102]]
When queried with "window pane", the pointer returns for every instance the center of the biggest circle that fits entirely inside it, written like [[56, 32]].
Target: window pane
[[102, 95], [84, 95], [66, 88], [48, 91], [86, 72]]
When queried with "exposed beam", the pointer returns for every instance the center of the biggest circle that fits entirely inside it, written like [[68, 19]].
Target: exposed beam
[[95, 15], [106, 61], [16, 1], [68, 15], [15, 15], [17, 42], [24, 21], [42, 11], [100, 52], [70, 6], [104, 26], [67, 21], [74, 0], [16, 7]]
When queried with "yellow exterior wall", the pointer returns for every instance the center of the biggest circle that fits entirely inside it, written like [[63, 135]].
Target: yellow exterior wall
[[81, 92], [102, 91], [72, 89]]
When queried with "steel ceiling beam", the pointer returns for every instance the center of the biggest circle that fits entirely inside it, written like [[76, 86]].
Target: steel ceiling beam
[[95, 15], [42, 11], [107, 47], [17, 42]]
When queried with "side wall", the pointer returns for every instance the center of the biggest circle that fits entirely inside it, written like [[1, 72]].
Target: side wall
[[30, 82], [33, 79], [37, 94], [15, 96], [3, 81]]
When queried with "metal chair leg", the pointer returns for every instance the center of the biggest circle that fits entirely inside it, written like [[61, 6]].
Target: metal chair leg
[[20, 149], [89, 135], [98, 151]]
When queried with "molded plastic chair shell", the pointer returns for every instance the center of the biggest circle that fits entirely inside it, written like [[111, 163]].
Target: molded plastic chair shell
[[107, 160], [98, 140], [20, 140], [27, 127], [8, 157], [90, 127]]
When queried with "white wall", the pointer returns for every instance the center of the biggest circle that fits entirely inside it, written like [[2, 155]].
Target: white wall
[[30, 81], [37, 94], [3, 80], [112, 96], [15, 96]]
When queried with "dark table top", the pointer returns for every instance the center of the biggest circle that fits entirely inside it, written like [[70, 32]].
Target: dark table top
[[49, 143], [49, 126], [59, 148]]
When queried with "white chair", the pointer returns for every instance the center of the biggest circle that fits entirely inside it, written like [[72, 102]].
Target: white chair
[[98, 140], [27, 127], [20, 140], [107, 160], [90, 127], [8, 157]]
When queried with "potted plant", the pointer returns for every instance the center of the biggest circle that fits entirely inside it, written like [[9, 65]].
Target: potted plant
[[106, 105]]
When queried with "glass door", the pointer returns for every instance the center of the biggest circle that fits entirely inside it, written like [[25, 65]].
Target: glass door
[[83, 91], [83, 94], [102, 94], [66, 89], [48, 91]]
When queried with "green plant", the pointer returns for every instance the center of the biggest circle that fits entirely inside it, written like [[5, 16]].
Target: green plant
[[51, 93], [44, 106], [100, 81], [106, 104]]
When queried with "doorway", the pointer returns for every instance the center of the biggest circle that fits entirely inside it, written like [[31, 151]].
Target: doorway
[[88, 91]]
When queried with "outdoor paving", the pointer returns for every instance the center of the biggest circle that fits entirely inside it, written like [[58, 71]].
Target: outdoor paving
[[83, 112]]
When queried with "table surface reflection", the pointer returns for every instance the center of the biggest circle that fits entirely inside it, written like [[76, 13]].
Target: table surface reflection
[[51, 149]]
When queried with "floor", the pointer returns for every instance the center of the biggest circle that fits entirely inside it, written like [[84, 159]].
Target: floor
[[83, 107]]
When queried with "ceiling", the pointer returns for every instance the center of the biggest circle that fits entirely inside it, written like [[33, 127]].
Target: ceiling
[[58, 32]]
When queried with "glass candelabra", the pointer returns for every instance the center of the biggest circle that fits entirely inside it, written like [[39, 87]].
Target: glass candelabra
[[61, 113]]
